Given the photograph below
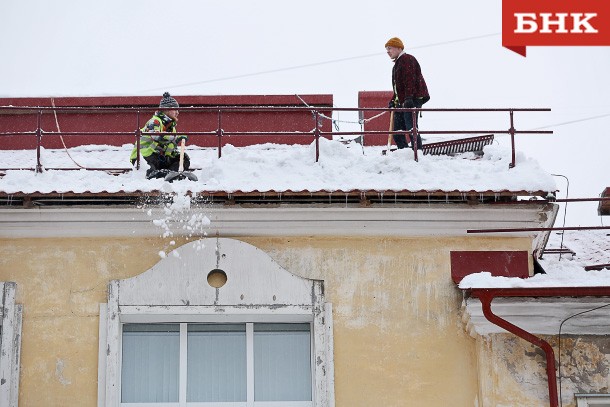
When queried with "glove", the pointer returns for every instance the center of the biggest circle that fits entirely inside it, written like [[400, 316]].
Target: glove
[[408, 103], [391, 105], [182, 137]]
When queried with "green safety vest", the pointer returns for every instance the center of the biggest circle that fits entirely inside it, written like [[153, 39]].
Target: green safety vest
[[151, 143]]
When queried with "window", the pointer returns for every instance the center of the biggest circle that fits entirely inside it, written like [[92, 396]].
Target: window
[[172, 337], [10, 344], [217, 363], [282, 362], [224, 363], [151, 360]]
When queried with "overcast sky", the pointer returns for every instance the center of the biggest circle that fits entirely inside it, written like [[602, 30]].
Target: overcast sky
[[198, 47]]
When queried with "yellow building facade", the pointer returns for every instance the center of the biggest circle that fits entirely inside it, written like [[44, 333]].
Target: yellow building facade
[[387, 320]]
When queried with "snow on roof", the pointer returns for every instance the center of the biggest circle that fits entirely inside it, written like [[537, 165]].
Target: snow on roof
[[590, 247], [272, 167]]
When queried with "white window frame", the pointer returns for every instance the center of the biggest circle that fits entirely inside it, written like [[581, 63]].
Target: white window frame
[[249, 331], [10, 345], [592, 399], [175, 291]]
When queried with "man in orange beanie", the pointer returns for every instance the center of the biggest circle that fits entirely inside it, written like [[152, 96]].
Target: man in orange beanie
[[410, 90]]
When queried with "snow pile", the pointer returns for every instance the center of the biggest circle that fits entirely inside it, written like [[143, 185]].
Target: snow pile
[[273, 167], [591, 248]]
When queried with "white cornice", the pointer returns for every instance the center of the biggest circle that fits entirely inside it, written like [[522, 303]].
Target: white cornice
[[542, 315], [286, 220]]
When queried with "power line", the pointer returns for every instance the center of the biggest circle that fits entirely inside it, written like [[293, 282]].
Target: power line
[[454, 41], [227, 78], [584, 119], [332, 61]]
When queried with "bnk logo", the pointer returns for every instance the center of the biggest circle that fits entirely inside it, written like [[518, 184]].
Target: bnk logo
[[555, 23]]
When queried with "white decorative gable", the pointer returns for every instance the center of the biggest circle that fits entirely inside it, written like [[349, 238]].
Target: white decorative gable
[[182, 278]]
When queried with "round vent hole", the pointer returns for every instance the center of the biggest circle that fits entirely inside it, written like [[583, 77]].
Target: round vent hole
[[217, 278]]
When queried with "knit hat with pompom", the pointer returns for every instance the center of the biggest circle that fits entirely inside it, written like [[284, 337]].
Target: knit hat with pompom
[[168, 101]]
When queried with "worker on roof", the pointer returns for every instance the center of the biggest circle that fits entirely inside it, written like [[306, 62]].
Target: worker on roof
[[161, 151], [410, 90]]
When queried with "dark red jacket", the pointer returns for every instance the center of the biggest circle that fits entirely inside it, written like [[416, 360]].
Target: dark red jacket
[[407, 80]]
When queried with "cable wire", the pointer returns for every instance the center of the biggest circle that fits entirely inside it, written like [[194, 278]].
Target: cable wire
[[61, 137], [332, 61], [559, 343], [565, 210], [573, 121]]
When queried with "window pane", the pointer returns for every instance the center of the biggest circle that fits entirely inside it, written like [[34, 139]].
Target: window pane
[[282, 362], [151, 355], [216, 362]]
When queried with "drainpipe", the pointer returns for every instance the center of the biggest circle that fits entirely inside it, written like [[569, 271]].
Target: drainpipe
[[486, 296]]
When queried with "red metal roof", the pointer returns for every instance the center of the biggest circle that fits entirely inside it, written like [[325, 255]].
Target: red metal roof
[[187, 100]]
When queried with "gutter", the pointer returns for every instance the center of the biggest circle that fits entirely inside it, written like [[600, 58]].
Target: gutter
[[486, 296]]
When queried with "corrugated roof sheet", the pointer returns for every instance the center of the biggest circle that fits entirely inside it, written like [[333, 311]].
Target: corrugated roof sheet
[[303, 196]]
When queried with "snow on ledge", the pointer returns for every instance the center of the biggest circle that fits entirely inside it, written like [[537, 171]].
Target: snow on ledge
[[591, 247]]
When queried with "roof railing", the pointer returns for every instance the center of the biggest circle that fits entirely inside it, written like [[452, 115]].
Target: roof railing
[[219, 133]]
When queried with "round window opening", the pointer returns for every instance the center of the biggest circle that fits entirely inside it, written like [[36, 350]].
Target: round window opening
[[217, 278]]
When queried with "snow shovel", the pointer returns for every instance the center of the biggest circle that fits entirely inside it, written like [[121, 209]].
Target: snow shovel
[[181, 174], [384, 152]]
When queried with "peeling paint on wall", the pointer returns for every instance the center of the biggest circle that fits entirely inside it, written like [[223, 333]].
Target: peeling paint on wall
[[585, 366]]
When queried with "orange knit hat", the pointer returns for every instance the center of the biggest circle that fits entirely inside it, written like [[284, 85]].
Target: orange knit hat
[[395, 42]]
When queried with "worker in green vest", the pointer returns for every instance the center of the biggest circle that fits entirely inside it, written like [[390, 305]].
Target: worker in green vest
[[161, 151]]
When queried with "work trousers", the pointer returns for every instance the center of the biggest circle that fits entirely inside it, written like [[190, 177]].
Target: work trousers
[[404, 121], [161, 162]]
